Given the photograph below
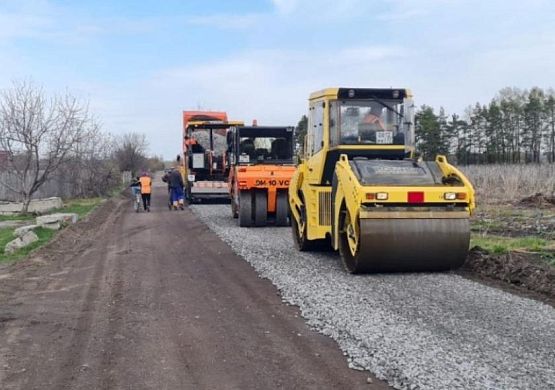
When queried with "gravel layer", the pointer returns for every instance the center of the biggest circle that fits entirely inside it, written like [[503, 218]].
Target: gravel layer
[[416, 331]]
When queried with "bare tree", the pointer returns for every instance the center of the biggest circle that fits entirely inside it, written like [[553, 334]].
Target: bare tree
[[38, 133], [131, 151], [92, 169], [155, 163]]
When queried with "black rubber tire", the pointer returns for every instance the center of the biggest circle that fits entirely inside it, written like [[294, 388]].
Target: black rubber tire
[[350, 263], [282, 209], [302, 243], [234, 210], [260, 208], [245, 208], [234, 200], [190, 198]]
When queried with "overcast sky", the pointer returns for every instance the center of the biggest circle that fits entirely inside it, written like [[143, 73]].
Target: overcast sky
[[140, 63]]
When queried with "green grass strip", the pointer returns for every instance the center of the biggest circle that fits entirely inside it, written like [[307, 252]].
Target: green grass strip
[[502, 245], [81, 207]]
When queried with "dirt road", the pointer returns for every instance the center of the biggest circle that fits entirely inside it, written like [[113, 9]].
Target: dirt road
[[154, 301]]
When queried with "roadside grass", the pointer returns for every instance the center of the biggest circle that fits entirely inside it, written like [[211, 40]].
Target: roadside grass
[[118, 190], [485, 225], [508, 220], [509, 211], [502, 245], [81, 207], [6, 235], [500, 183], [16, 217]]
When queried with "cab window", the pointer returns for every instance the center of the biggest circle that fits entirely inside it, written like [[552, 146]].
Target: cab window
[[316, 121]]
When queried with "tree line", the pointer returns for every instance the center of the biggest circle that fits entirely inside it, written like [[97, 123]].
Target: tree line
[[44, 135], [516, 126]]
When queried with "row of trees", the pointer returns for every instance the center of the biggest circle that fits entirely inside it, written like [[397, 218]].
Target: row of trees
[[42, 136], [517, 126], [300, 133], [130, 153]]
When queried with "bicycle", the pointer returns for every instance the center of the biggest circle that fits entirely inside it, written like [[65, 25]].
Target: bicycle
[[136, 198]]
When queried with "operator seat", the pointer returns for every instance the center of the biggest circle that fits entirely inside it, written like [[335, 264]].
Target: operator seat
[[247, 147], [279, 149]]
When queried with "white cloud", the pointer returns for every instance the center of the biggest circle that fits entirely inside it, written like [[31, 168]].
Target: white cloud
[[365, 54], [318, 10], [228, 21], [271, 86], [42, 20], [403, 10], [402, 15], [25, 19], [285, 6]]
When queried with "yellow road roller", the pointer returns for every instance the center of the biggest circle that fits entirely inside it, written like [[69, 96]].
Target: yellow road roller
[[361, 190]]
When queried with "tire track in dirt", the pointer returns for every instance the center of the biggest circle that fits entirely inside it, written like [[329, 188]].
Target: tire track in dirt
[[157, 301], [81, 335]]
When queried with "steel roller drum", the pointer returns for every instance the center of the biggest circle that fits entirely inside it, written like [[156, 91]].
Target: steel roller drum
[[402, 245]]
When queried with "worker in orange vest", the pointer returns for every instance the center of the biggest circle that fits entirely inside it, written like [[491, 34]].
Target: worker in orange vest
[[146, 189], [190, 141]]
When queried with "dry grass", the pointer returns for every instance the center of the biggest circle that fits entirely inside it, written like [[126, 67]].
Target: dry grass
[[511, 182]]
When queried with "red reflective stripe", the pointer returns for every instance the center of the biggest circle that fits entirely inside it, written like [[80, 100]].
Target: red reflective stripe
[[415, 197]]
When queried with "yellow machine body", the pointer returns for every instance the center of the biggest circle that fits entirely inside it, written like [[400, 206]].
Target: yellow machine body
[[359, 189]]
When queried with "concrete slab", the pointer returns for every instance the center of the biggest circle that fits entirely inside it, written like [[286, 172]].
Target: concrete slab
[[36, 206], [63, 218], [22, 230], [21, 242]]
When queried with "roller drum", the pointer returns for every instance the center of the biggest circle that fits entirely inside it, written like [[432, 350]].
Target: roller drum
[[401, 245]]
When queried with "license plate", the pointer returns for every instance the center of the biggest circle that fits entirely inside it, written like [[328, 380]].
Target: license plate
[[384, 137]]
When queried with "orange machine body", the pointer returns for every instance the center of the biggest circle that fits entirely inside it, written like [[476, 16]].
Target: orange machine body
[[271, 178], [204, 163], [198, 116], [261, 167]]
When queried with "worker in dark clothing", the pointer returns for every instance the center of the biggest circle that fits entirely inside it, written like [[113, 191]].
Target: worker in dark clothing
[[166, 179], [176, 186], [135, 185], [136, 191]]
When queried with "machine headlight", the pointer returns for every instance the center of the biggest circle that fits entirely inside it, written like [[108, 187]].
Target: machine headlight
[[377, 196], [454, 196]]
